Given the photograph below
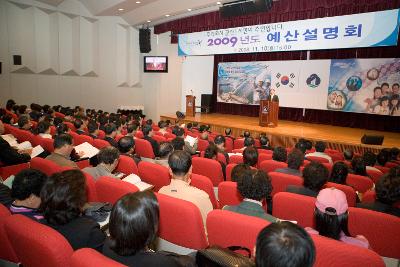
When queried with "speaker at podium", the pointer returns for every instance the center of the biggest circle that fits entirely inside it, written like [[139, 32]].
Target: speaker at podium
[[269, 111]]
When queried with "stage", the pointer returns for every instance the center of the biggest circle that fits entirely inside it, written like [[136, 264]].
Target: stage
[[288, 132]]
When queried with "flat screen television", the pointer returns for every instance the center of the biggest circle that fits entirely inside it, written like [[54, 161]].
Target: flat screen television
[[155, 64]]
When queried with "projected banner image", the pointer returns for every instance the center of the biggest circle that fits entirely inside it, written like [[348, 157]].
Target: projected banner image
[[365, 85]]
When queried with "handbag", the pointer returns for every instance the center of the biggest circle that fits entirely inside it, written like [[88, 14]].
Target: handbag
[[216, 256], [99, 211]]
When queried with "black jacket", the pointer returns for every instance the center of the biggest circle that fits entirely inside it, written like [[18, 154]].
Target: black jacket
[[10, 156], [154, 145], [111, 141]]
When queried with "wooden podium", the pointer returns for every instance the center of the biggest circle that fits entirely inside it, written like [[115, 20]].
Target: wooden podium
[[190, 105], [269, 111]]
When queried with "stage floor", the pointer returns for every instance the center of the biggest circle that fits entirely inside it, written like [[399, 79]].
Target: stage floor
[[288, 132]]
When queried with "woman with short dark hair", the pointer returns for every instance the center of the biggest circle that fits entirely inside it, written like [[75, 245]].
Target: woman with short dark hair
[[339, 173], [63, 197], [133, 229]]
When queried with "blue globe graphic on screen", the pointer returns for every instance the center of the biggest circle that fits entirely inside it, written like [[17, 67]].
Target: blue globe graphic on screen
[[354, 83]]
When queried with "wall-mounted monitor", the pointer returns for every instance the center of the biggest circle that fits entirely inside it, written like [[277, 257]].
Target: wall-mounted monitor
[[155, 64]]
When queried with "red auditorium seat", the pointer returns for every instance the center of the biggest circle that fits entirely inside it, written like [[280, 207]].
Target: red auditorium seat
[[228, 171], [8, 128], [169, 135], [272, 165], [83, 163], [53, 130], [144, 149], [280, 181], [91, 192], [205, 184], [101, 134], [294, 207], [202, 145], [236, 159], [391, 165], [99, 143], [81, 138], [154, 174], [36, 244], [264, 151], [228, 194], [382, 169], [329, 166], [359, 183], [87, 257], [159, 138], [263, 156], [209, 168], [59, 114], [70, 126], [348, 190], [180, 224], [111, 189], [317, 159], [127, 165], [369, 196], [228, 144], [6, 250], [382, 230], [47, 144], [375, 175], [25, 136], [238, 143], [46, 166], [7, 171], [118, 136], [220, 157], [139, 134]]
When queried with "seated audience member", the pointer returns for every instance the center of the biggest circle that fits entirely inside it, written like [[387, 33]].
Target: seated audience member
[[348, 154], [315, 176], [283, 244], [246, 134], [331, 218], [387, 194], [24, 123], [63, 148], [370, 160], [339, 173], [358, 166], [228, 134], [5, 195], [253, 186], [166, 150], [63, 198], [1, 127], [132, 129], [204, 136], [180, 168], [62, 128], [10, 104], [111, 131], [219, 141], [394, 154], [295, 160], [108, 158], [238, 170], [80, 126], [264, 142], [26, 188], [189, 126], [302, 146], [148, 133], [22, 110], [211, 152], [12, 156], [179, 132], [93, 129], [250, 156], [163, 127], [127, 147], [248, 142], [279, 154], [43, 129], [320, 151], [134, 223], [178, 143], [383, 157]]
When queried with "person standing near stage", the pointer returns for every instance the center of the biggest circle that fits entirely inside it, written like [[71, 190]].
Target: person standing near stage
[[272, 96]]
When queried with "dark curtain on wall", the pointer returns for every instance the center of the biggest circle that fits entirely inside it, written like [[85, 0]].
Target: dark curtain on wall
[[289, 10]]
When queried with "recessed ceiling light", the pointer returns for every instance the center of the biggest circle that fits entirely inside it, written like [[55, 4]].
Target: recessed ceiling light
[[120, 9], [218, 3], [148, 21], [189, 9], [167, 15], [138, 2]]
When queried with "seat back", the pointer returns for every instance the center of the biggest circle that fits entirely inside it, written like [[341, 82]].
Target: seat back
[[127, 165], [359, 183], [181, 223], [169, 135], [238, 143], [25, 136], [6, 250], [226, 228], [228, 171], [144, 149], [382, 169], [263, 156], [81, 138], [154, 174], [87, 257], [139, 134], [202, 145], [391, 164], [228, 144], [228, 194], [204, 183], [46, 166], [382, 230], [99, 143], [7, 171], [209, 168], [47, 144], [36, 244], [294, 207], [331, 252], [70, 126], [236, 159], [101, 134], [348, 190], [375, 175], [280, 181], [111, 189], [272, 165], [317, 159], [91, 192], [159, 138], [369, 196]]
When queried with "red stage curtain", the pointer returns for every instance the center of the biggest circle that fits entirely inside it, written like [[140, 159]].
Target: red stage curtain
[[289, 10]]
